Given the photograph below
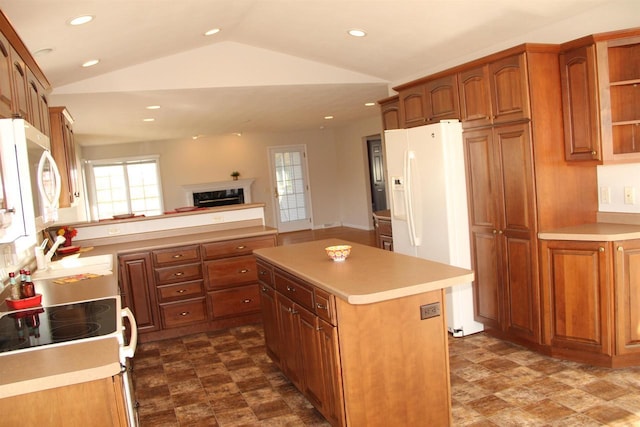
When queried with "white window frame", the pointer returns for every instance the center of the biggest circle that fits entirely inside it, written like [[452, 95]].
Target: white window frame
[[91, 190]]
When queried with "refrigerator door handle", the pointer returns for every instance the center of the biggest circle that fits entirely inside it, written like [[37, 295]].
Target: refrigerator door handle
[[409, 158]]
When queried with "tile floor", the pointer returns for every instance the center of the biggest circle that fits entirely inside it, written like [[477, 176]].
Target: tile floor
[[224, 378]]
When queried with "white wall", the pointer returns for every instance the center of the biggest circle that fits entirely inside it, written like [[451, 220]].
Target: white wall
[[337, 168], [616, 178]]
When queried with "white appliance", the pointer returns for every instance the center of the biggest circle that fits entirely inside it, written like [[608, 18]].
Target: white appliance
[[127, 351], [32, 180], [429, 215]]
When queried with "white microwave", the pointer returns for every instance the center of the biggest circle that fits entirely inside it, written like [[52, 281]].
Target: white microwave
[[31, 181]]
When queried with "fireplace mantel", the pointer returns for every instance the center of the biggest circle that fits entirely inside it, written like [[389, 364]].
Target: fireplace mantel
[[245, 184]]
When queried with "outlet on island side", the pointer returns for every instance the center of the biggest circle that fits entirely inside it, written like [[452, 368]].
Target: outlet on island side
[[428, 311]]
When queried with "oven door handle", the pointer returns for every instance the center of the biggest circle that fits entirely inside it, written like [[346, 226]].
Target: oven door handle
[[128, 351]]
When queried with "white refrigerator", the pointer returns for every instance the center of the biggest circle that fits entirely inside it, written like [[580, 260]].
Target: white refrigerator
[[428, 196]]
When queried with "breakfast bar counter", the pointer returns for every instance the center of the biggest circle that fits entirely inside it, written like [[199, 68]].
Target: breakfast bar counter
[[364, 339]]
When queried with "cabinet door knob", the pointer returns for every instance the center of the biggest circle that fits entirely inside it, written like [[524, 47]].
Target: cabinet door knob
[[593, 153], [320, 306], [600, 249], [494, 231], [291, 289], [620, 249], [264, 289]]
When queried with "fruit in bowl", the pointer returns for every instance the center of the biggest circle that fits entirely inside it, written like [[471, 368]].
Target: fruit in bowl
[[339, 252]]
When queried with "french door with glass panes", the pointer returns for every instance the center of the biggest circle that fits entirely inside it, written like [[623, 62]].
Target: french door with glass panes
[[290, 188]]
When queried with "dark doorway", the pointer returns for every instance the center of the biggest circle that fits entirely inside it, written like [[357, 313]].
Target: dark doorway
[[376, 174]]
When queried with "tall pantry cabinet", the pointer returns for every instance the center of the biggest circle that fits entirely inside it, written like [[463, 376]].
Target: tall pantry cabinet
[[518, 182]]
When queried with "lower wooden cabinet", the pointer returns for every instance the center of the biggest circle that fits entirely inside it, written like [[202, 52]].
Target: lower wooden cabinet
[[384, 233], [591, 300], [186, 289], [99, 403]]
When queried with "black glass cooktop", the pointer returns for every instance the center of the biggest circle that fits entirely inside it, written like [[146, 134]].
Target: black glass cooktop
[[51, 325]]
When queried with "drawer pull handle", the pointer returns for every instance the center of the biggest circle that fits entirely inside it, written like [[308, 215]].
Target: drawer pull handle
[[181, 291], [179, 273], [291, 289], [177, 256], [262, 272], [184, 313], [243, 271], [241, 247], [264, 289], [293, 310], [320, 306], [246, 301]]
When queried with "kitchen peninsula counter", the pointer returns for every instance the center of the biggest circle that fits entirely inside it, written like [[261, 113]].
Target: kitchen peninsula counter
[[374, 325], [595, 232]]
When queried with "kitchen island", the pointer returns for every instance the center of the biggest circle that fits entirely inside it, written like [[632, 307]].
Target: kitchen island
[[365, 339]]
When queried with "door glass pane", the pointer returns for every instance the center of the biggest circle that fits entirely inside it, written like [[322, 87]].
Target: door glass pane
[[290, 184]]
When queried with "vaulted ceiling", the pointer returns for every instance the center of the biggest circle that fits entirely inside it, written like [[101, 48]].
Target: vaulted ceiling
[[275, 65]]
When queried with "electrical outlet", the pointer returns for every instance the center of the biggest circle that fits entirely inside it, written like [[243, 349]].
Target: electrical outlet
[[428, 311], [629, 196], [113, 231], [217, 219]]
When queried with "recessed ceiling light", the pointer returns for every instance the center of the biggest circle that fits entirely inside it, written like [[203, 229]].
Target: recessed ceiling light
[[148, 120], [43, 51], [369, 104], [80, 20], [90, 63], [212, 32], [357, 33], [328, 117], [153, 107]]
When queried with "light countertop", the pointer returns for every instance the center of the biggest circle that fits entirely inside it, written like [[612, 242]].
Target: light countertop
[[368, 275], [598, 232]]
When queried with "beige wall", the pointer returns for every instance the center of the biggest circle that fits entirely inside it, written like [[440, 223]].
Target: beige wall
[[337, 168]]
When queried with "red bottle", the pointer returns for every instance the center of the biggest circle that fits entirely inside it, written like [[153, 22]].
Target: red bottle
[[27, 289]]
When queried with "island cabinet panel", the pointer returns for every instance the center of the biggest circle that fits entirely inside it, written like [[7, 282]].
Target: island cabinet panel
[[591, 294], [395, 366], [138, 289], [99, 403]]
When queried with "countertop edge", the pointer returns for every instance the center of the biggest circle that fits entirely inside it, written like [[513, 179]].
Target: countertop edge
[[595, 232]]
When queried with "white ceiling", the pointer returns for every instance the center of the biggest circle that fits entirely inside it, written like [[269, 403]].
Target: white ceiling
[[276, 65]]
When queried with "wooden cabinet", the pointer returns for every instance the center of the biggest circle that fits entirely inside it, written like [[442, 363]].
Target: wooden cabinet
[[389, 109], [306, 338], [429, 101], [20, 91], [269, 309], [503, 231], [591, 292], [38, 104], [382, 226], [187, 289], [601, 97], [63, 149], [99, 403], [495, 92], [138, 289], [179, 283], [6, 79]]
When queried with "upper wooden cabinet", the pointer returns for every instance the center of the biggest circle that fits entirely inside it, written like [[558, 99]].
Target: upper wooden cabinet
[[495, 92], [601, 97], [6, 79], [390, 113], [63, 150], [428, 101]]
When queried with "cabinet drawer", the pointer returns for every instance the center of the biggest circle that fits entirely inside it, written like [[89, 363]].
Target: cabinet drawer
[[294, 289], [235, 301], [180, 291], [384, 227], [181, 255], [179, 273], [232, 271], [183, 313], [325, 305], [265, 273], [236, 247]]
